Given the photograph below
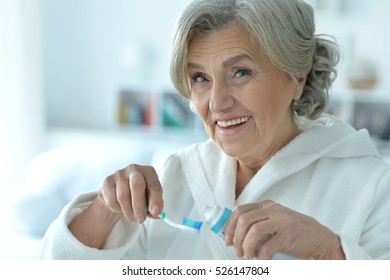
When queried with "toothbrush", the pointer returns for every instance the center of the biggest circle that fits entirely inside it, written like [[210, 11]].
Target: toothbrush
[[187, 224]]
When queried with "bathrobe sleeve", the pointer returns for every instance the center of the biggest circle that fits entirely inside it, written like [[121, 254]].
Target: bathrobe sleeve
[[375, 239], [59, 243]]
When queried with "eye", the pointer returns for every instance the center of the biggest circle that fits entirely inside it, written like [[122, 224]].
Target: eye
[[242, 73], [198, 78]]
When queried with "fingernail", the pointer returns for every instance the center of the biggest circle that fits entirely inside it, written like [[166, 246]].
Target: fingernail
[[155, 209], [228, 240], [239, 253], [139, 218]]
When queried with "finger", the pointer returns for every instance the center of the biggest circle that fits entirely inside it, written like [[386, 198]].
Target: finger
[[260, 244], [107, 195], [154, 191], [241, 221], [138, 196], [269, 249], [258, 235], [231, 225], [249, 227], [238, 211], [123, 196]]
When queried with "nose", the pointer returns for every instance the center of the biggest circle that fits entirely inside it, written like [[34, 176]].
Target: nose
[[221, 98]]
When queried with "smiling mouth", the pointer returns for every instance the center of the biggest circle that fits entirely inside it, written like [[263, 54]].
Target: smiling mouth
[[232, 122]]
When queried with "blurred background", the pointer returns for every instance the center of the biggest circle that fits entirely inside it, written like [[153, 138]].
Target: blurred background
[[85, 90]]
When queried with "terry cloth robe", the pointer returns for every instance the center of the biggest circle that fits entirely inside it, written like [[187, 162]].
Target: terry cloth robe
[[330, 172]]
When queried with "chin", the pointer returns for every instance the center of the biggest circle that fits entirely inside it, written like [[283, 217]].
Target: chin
[[232, 150]]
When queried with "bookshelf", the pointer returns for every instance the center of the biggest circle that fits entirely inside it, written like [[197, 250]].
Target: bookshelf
[[162, 111]]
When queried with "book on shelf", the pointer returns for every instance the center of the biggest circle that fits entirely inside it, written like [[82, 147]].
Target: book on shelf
[[167, 109]]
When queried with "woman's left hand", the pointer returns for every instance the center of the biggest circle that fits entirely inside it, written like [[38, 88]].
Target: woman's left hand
[[266, 228]]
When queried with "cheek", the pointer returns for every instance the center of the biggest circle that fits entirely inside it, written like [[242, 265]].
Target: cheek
[[270, 101], [201, 107]]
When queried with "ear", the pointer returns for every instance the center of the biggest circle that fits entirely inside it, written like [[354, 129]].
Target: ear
[[299, 88]]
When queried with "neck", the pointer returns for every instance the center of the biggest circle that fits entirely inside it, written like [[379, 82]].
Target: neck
[[246, 170], [244, 175]]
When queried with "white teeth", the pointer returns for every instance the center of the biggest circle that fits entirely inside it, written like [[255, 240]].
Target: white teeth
[[232, 122]]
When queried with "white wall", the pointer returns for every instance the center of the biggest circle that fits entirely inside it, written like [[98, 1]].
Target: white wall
[[22, 125], [362, 30], [92, 48]]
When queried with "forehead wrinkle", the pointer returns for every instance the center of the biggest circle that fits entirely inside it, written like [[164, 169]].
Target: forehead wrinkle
[[225, 63], [231, 47], [194, 65], [235, 59]]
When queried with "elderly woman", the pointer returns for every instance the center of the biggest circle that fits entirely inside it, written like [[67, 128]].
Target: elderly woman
[[300, 182]]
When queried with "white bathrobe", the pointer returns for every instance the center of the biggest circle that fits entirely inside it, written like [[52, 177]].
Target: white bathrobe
[[330, 172]]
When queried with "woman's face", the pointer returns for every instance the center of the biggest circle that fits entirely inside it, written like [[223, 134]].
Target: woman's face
[[242, 98]]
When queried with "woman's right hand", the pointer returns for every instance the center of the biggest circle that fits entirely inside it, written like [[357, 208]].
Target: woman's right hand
[[126, 193], [130, 190]]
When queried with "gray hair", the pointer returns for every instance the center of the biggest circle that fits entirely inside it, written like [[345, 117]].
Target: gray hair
[[284, 29]]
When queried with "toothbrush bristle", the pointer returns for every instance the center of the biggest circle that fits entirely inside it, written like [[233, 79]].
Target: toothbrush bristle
[[192, 223]]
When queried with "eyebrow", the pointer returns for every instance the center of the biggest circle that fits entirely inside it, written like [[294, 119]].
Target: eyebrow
[[226, 63]]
